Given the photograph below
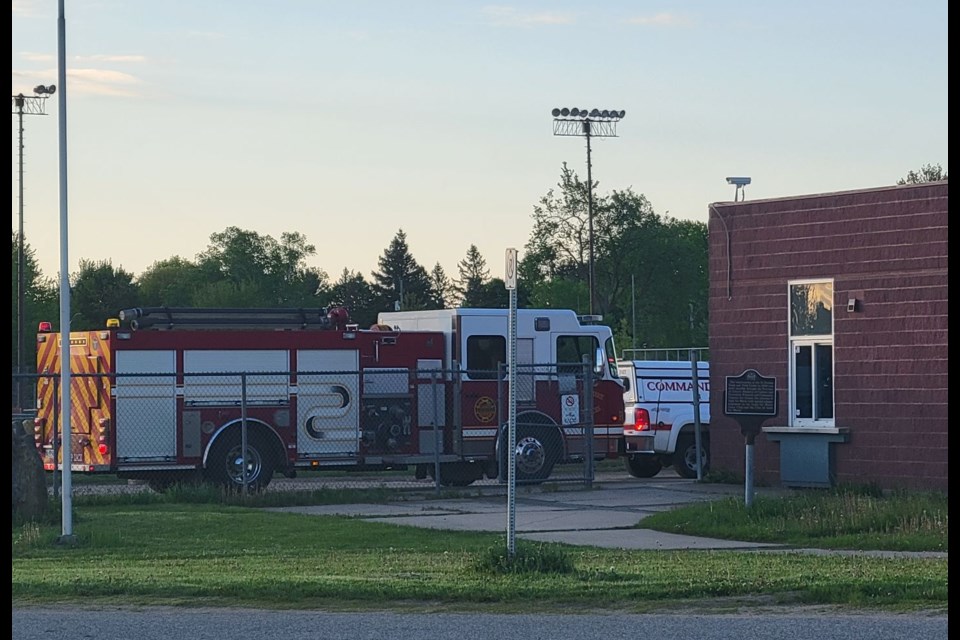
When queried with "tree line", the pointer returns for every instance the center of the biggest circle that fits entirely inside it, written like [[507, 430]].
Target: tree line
[[650, 273]]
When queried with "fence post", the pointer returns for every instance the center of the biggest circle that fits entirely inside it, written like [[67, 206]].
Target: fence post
[[243, 431], [456, 428], [698, 439], [437, 436], [588, 470]]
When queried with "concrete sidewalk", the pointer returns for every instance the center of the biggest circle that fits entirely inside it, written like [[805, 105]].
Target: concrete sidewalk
[[603, 515]]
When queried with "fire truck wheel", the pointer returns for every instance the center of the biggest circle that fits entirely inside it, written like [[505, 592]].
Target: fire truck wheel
[[642, 466], [685, 457], [538, 448], [225, 463]]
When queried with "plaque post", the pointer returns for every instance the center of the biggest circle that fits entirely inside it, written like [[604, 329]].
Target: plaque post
[[749, 398]]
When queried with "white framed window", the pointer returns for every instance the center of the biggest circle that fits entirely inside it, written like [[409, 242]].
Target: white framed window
[[811, 352]]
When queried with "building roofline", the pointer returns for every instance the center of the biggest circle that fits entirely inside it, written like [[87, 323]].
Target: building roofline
[[807, 196]]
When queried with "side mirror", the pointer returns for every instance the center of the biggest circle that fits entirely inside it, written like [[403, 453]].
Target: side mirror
[[626, 383], [599, 361]]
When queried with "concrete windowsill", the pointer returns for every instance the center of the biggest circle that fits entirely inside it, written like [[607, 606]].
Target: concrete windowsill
[[810, 430]]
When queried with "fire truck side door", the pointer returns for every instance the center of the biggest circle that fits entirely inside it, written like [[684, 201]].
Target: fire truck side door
[[328, 402], [146, 405]]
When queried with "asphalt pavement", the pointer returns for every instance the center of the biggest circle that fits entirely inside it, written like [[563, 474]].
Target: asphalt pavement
[[603, 514]]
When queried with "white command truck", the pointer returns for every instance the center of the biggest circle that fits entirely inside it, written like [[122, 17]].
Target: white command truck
[[659, 426]]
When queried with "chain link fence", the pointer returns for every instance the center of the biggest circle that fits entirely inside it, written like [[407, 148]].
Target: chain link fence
[[383, 428]]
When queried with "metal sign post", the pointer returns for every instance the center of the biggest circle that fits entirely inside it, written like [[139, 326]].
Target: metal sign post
[[510, 280], [750, 399], [698, 438]]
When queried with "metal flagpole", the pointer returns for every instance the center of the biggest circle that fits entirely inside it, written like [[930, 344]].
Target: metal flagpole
[[65, 409]]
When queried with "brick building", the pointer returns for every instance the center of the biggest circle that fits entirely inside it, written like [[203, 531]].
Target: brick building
[[842, 299]]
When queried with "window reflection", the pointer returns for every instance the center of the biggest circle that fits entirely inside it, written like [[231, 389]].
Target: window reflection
[[811, 309]]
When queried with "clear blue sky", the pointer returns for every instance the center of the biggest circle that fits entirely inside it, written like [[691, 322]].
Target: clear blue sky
[[347, 121]]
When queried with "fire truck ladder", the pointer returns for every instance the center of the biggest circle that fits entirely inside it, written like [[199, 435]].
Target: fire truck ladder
[[247, 318]]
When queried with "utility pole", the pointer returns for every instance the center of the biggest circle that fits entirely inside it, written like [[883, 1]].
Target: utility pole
[[589, 124], [30, 105]]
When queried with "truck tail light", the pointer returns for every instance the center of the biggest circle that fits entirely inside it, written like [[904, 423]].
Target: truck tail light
[[104, 427], [641, 419]]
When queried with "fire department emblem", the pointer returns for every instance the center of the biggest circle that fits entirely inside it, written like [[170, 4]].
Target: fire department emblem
[[485, 409]]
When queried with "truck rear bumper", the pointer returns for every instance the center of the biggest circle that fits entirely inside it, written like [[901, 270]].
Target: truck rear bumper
[[639, 444]]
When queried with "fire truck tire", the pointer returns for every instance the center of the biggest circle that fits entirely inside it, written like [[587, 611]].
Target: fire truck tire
[[538, 449], [642, 466], [225, 463], [685, 457]]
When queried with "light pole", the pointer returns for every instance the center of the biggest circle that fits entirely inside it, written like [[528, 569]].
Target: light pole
[[31, 105], [593, 123]]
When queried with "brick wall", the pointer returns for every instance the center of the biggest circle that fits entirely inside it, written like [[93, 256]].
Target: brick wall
[[886, 247]]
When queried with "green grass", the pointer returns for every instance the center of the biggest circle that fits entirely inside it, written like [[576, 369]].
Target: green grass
[[842, 518], [165, 550]]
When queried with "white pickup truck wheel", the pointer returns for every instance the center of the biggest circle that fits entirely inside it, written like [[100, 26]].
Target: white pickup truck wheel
[[642, 466], [685, 457]]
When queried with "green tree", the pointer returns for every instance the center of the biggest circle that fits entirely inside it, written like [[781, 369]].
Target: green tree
[[927, 173], [667, 276], [98, 292], [660, 261], [558, 248], [401, 279], [173, 282], [493, 294], [262, 271], [41, 302]]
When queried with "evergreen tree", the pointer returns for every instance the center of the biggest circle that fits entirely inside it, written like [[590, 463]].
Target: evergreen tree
[[352, 291], [473, 276], [401, 281], [442, 291]]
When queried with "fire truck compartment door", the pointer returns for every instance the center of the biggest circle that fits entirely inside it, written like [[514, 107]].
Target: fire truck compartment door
[[328, 407], [146, 405], [227, 389]]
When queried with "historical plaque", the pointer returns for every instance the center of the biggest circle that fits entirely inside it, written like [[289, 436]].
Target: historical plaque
[[750, 394]]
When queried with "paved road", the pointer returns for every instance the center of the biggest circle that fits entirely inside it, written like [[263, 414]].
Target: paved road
[[162, 623]]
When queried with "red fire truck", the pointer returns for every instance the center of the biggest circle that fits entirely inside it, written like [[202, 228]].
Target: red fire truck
[[161, 394]]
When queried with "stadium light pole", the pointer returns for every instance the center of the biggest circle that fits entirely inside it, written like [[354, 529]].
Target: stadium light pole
[[589, 124], [30, 105]]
